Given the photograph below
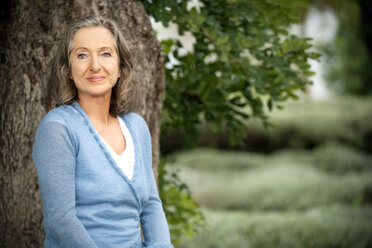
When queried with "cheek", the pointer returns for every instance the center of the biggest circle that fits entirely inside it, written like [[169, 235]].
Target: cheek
[[75, 71], [115, 70], [118, 68], [71, 74], [72, 70]]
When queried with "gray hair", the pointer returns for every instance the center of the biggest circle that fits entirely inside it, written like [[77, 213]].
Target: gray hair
[[62, 90]]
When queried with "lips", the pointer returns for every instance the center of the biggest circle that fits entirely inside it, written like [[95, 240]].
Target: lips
[[95, 78]]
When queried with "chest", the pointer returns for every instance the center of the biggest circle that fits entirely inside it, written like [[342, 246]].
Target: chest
[[100, 180], [113, 135]]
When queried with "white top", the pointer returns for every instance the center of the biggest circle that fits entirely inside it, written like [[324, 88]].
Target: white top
[[126, 160]]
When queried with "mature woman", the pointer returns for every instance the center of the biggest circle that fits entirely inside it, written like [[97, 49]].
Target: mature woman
[[92, 154]]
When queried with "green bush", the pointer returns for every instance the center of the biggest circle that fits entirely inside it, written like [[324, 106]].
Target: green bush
[[309, 123], [330, 157], [289, 198], [212, 159], [329, 227], [182, 212], [287, 180], [341, 159], [304, 124], [284, 196]]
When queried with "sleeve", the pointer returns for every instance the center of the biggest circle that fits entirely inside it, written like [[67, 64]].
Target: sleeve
[[55, 160], [153, 221]]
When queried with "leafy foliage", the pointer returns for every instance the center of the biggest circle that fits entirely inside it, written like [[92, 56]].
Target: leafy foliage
[[183, 213], [243, 62]]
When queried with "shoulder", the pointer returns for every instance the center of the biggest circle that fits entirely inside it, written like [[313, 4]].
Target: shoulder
[[136, 121], [134, 117], [138, 127], [64, 114], [55, 135], [57, 123]]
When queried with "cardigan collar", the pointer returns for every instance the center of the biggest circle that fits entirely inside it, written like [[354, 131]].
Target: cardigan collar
[[103, 147]]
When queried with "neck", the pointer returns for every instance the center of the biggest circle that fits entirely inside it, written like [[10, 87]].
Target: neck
[[97, 108]]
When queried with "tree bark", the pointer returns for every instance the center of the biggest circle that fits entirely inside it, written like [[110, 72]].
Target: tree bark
[[28, 44]]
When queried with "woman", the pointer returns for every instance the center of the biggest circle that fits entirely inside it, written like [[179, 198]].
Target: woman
[[92, 155]]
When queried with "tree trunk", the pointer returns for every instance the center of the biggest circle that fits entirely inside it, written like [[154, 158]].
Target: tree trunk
[[28, 43]]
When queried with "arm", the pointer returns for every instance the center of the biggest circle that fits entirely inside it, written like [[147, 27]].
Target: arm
[[153, 221], [54, 159]]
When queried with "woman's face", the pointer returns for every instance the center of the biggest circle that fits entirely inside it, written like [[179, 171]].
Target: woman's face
[[94, 62]]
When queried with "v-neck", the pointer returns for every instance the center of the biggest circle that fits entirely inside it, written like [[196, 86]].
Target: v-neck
[[110, 148], [105, 150]]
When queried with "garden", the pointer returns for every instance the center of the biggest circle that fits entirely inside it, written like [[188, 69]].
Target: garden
[[312, 189]]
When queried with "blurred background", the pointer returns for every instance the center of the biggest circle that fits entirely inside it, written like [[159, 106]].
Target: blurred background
[[301, 179]]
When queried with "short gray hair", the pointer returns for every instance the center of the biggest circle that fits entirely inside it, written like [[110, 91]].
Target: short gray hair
[[61, 89]]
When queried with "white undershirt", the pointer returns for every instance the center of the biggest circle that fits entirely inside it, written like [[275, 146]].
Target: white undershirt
[[126, 160]]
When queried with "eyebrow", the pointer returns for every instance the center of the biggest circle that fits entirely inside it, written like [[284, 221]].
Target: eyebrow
[[84, 48]]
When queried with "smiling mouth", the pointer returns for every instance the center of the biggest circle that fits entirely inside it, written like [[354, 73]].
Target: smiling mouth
[[96, 78]]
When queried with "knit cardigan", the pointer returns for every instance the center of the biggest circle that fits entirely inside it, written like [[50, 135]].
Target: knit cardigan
[[88, 202]]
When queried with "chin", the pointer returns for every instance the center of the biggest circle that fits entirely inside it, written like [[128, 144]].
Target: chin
[[96, 93]]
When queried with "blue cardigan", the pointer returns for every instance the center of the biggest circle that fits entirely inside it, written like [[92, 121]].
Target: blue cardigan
[[88, 202]]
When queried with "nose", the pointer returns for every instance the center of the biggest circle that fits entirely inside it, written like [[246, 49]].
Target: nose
[[95, 65]]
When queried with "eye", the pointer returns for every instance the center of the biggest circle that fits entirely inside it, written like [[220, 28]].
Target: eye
[[106, 54], [81, 55]]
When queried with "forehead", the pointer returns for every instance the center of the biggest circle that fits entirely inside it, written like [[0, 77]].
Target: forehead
[[93, 37]]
